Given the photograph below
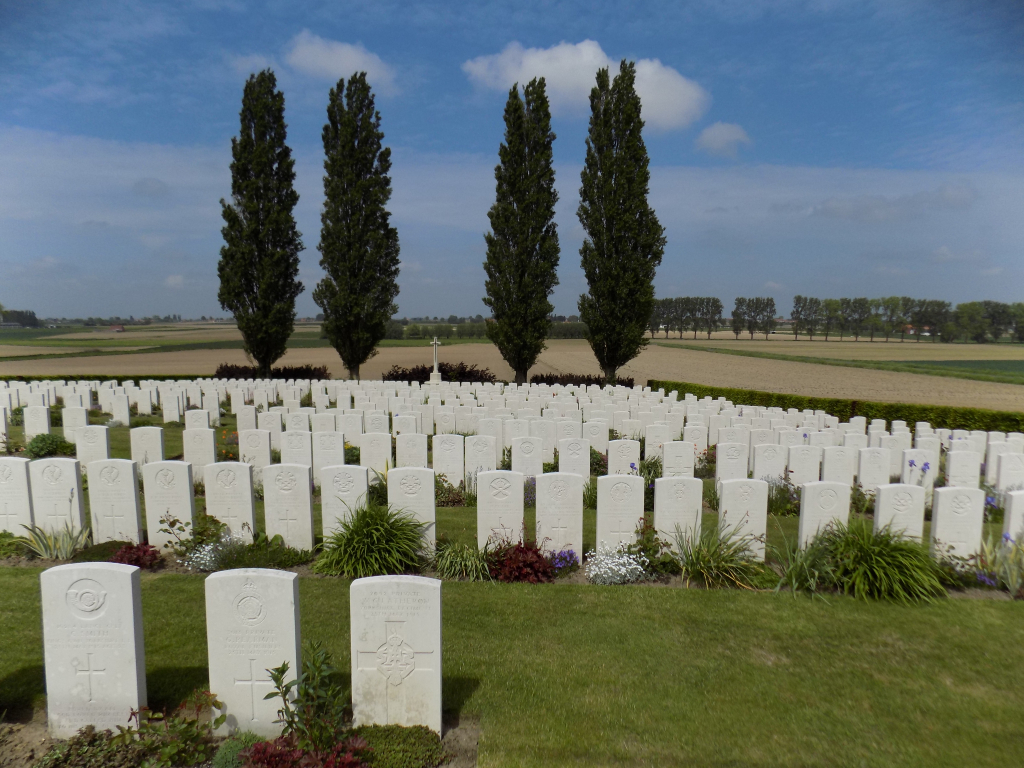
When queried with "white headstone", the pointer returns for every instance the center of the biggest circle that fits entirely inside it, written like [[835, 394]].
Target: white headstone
[[1013, 515], [296, 422], [73, 420], [288, 504], [963, 469], [343, 490], [900, 507], [838, 464], [93, 649], [199, 449], [411, 450], [499, 507], [197, 419], [147, 445], [958, 516], [804, 464], [560, 511], [574, 456], [375, 453], [597, 433], [623, 457], [252, 625], [120, 411], [114, 500], [377, 421], [56, 487], [15, 495], [449, 457], [918, 468], [412, 489], [620, 505], [678, 501], [743, 511], [396, 651], [492, 427], [254, 448], [770, 462], [246, 418], [328, 451], [297, 447], [93, 444], [479, 457], [167, 486], [873, 468], [271, 422], [229, 496], [36, 420], [1010, 472], [730, 461], [527, 456], [698, 435]]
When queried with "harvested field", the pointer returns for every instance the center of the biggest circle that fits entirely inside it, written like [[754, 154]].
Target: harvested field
[[571, 356]]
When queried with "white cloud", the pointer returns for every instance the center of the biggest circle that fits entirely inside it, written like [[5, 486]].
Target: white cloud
[[175, 281], [878, 208], [331, 59], [722, 139], [245, 65], [669, 100]]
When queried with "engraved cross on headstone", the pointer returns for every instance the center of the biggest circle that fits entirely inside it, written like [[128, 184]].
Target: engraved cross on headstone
[[88, 671], [395, 660], [289, 520], [252, 681], [622, 528]]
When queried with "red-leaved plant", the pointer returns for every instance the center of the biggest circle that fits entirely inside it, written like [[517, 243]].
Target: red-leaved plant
[[520, 562], [283, 752], [141, 555]]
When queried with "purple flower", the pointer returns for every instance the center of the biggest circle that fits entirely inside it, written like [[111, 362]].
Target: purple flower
[[632, 465], [986, 578], [1007, 538], [912, 464], [925, 467]]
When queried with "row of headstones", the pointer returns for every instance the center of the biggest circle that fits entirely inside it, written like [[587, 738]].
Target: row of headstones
[[95, 658]]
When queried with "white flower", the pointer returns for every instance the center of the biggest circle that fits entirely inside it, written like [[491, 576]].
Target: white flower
[[613, 565]]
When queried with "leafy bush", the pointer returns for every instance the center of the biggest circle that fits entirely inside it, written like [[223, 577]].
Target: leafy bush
[[41, 446], [395, 746], [1000, 564], [263, 552], [506, 459], [454, 372], [375, 540], [614, 565], [704, 463], [140, 555], [717, 558], [99, 553], [183, 738], [951, 417], [519, 562], [783, 497], [58, 545], [283, 753], [657, 553], [579, 379], [598, 463], [590, 494], [711, 493], [310, 372], [203, 530], [448, 495], [881, 565], [228, 448], [351, 455], [313, 705], [564, 562], [90, 748], [454, 561], [228, 754], [11, 545]]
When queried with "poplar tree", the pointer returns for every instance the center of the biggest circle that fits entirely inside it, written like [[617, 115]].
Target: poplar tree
[[358, 247], [624, 241], [522, 246], [259, 262]]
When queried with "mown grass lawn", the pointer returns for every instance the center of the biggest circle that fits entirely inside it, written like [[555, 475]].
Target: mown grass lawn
[[597, 676]]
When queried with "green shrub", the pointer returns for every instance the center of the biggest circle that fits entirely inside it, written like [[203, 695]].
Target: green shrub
[[375, 540], [395, 746], [506, 459], [56, 545], [351, 455], [227, 755], [803, 570], [263, 552], [182, 738], [590, 494], [204, 529], [313, 704], [42, 446], [99, 553], [783, 497], [718, 558], [950, 417], [658, 553], [90, 748], [11, 545], [448, 495], [454, 561], [1000, 564], [880, 565], [598, 463]]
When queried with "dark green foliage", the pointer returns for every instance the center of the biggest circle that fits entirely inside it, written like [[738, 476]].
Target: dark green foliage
[[783, 498], [227, 755], [17, 417], [950, 417], [506, 459], [522, 247], [624, 242], [578, 379], [259, 262], [598, 463], [10, 545], [42, 446], [100, 553], [263, 552], [395, 746], [204, 529], [460, 372], [352, 454], [182, 738], [660, 561], [229, 371], [568, 331], [375, 540], [313, 705], [457, 561], [448, 495], [90, 748], [358, 246]]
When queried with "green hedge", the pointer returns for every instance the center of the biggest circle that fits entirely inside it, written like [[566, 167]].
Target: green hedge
[[950, 417]]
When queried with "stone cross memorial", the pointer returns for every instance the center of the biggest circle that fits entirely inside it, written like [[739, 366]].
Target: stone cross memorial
[[252, 625], [396, 651], [93, 650]]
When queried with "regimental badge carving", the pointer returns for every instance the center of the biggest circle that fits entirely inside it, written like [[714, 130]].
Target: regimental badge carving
[[226, 478], [500, 488], [109, 475], [623, 451], [52, 474], [745, 493], [558, 489], [197, 439], [770, 453], [447, 445], [621, 491], [328, 442], [165, 478], [5, 474], [526, 448], [480, 446], [249, 607], [396, 659], [902, 502], [410, 485], [680, 492], [253, 441], [90, 436], [286, 481], [87, 599], [573, 449], [294, 442], [827, 499], [344, 482], [375, 444], [961, 504]]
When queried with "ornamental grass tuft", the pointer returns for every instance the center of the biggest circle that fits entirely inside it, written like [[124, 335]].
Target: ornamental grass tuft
[[718, 557], [375, 541], [455, 561]]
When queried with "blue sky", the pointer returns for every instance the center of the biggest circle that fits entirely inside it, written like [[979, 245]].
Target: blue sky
[[824, 148]]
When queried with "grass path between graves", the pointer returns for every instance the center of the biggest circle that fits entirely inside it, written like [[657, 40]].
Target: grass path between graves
[[1002, 371], [635, 676]]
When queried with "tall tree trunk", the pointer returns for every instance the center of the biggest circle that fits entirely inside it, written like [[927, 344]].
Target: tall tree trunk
[[609, 375], [521, 376]]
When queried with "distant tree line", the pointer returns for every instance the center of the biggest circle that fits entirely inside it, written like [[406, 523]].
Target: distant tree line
[[24, 318], [686, 313], [979, 321], [756, 315]]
